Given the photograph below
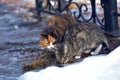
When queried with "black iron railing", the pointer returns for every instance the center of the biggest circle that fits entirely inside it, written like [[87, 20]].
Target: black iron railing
[[109, 22]]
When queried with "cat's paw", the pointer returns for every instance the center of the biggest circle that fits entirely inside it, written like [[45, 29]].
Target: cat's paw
[[93, 53], [77, 57], [97, 50]]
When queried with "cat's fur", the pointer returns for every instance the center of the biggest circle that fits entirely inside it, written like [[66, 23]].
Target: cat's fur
[[70, 39], [83, 38], [55, 30]]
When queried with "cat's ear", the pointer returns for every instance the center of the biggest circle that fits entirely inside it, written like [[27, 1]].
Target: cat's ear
[[51, 38], [43, 35]]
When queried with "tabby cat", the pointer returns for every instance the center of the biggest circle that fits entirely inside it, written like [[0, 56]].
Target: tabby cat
[[82, 38], [70, 39]]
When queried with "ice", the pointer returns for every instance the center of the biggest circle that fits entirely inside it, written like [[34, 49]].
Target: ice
[[103, 67]]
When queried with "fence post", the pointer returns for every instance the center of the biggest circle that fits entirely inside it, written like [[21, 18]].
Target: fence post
[[38, 6], [111, 20], [61, 5]]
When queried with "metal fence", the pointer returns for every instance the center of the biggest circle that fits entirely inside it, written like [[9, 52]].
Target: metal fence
[[109, 21]]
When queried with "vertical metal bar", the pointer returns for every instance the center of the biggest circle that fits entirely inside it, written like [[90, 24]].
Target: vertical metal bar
[[38, 6], [93, 10], [111, 21], [61, 5]]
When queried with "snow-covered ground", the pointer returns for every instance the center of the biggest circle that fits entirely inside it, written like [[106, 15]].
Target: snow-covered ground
[[92, 68]]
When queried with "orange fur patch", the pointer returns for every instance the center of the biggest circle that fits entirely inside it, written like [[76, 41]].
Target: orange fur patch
[[44, 42], [51, 39]]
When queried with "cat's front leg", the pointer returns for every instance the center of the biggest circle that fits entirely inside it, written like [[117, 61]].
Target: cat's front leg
[[97, 50], [77, 57]]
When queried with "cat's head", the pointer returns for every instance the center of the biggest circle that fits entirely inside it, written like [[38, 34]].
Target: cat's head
[[47, 41]]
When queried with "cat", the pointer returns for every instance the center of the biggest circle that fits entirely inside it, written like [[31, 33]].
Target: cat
[[83, 38], [71, 41], [55, 30], [52, 34]]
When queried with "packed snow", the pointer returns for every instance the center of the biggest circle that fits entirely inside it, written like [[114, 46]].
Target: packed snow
[[102, 67]]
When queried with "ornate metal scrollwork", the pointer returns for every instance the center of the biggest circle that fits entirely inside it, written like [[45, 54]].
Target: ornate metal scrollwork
[[81, 10], [93, 17], [78, 12]]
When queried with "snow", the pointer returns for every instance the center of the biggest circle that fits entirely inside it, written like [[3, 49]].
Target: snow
[[102, 67]]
